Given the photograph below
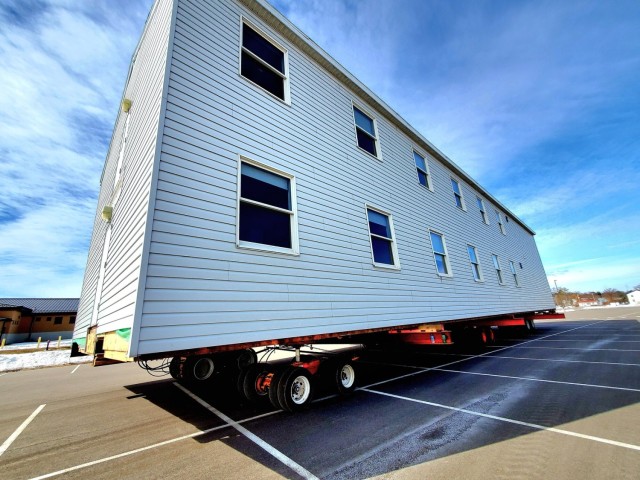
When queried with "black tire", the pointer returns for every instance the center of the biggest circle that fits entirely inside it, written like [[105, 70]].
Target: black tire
[[295, 389], [531, 325], [253, 380], [175, 369], [273, 388], [199, 368], [246, 358], [345, 378]]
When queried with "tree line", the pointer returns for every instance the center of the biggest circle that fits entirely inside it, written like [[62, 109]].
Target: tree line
[[565, 297]]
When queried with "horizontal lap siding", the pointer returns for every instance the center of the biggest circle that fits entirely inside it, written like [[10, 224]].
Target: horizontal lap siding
[[202, 290], [144, 89]]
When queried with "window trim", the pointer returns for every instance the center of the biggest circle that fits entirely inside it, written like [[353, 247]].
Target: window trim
[[459, 183], [500, 224], [293, 213], [512, 267], [446, 254], [376, 138], [429, 185], [483, 211], [394, 245], [498, 268], [475, 251], [285, 76]]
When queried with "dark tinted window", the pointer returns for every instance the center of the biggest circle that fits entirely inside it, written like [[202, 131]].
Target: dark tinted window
[[265, 187], [263, 225], [366, 142], [379, 224], [57, 320], [262, 76], [382, 251], [261, 47]]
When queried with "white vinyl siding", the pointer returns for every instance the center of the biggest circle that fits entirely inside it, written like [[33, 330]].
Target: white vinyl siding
[[202, 290], [126, 185]]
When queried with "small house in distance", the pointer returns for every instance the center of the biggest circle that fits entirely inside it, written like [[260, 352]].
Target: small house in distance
[[27, 319]]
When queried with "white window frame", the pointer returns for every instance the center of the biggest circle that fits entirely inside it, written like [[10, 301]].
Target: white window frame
[[447, 263], [483, 209], [512, 266], [293, 213], [394, 246], [272, 41], [455, 195], [427, 172], [376, 131], [498, 268], [480, 278], [500, 224]]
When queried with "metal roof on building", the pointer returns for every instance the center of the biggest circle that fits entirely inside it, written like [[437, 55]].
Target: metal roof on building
[[43, 305]]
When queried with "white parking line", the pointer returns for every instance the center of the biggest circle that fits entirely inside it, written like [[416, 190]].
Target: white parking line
[[7, 443], [74, 370], [564, 361], [536, 380], [251, 436], [150, 447], [572, 340], [509, 420], [474, 356], [502, 347]]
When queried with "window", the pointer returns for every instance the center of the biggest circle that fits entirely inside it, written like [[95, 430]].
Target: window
[[48, 319], [38, 319], [475, 263], [366, 131], [496, 264], [500, 224], [267, 211], [512, 266], [483, 211], [383, 246], [424, 177], [72, 320], [264, 62], [57, 321], [440, 254], [457, 194]]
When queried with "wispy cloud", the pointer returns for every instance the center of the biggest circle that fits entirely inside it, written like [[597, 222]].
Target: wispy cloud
[[64, 65]]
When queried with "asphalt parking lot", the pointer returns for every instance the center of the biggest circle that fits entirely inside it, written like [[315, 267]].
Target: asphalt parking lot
[[561, 403]]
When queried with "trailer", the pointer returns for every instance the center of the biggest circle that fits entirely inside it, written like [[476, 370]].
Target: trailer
[[257, 198]]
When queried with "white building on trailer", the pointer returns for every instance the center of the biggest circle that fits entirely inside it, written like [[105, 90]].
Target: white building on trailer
[[255, 190]]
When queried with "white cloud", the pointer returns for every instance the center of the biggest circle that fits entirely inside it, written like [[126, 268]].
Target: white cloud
[[64, 66]]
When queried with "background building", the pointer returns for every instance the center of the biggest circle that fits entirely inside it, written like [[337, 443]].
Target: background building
[[27, 319]]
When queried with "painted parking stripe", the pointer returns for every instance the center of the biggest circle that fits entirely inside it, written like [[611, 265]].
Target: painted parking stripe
[[509, 420], [251, 436], [566, 348], [149, 447], [564, 361], [530, 379], [7, 443], [572, 340], [407, 375], [74, 370], [536, 380]]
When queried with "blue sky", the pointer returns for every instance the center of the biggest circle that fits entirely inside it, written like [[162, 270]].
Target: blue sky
[[538, 100]]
